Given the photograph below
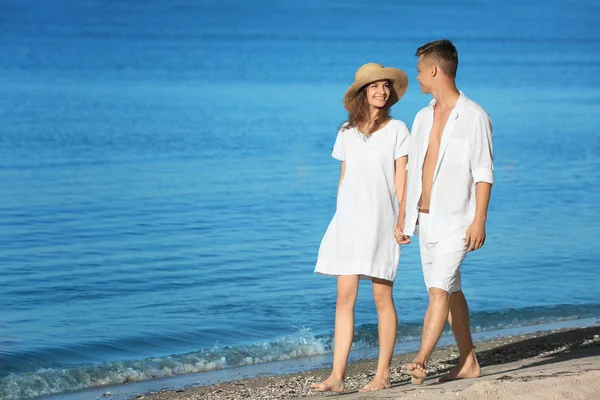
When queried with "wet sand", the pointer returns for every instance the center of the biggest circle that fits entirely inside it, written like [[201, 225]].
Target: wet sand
[[562, 364]]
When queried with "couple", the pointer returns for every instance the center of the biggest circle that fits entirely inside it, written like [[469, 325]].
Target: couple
[[436, 184]]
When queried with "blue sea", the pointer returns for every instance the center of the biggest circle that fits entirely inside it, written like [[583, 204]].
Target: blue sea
[[166, 178]]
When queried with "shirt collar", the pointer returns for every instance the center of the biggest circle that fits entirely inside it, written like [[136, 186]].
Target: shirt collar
[[460, 106]]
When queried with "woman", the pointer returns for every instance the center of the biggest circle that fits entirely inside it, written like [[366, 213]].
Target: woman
[[359, 242]]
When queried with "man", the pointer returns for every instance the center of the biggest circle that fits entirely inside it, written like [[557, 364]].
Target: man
[[450, 175]]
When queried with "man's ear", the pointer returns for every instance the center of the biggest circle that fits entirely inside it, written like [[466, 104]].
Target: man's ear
[[434, 70]]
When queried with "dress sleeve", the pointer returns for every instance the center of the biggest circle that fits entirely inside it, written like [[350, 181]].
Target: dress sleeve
[[482, 152], [338, 147], [402, 141]]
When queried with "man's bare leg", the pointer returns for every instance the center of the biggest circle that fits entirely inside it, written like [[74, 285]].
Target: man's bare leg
[[347, 290], [387, 328], [433, 326], [458, 317]]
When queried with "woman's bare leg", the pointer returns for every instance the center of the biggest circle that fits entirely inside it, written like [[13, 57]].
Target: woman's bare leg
[[347, 290], [387, 328]]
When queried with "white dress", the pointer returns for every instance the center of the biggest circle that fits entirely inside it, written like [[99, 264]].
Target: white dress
[[360, 238]]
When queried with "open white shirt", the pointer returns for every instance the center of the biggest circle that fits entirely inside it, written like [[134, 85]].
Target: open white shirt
[[465, 158]]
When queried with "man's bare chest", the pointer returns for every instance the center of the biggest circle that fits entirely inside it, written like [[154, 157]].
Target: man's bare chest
[[437, 128]]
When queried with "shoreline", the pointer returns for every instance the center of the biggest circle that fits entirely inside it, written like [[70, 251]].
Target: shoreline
[[553, 346]]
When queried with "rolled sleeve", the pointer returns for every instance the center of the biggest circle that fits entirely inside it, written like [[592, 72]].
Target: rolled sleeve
[[482, 151], [484, 175]]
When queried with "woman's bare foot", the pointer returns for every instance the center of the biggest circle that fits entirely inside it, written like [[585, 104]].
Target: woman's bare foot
[[379, 382], [464, 370], [329, 385], [417, 372]]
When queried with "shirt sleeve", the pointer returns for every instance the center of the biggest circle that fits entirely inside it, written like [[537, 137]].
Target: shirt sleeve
[[482, 152], [402, 141], [338, 147]]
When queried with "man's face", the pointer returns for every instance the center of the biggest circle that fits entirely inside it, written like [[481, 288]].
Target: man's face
[[425, 74]]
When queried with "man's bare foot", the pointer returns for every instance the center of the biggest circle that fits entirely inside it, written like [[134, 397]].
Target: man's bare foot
[[464, 370], [329, 385], [377, 383], [417, 372]]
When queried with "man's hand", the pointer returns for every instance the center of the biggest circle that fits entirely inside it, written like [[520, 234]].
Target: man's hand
[[475, 237]]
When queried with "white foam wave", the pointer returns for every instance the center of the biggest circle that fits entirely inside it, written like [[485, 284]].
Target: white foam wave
[[50, 381]]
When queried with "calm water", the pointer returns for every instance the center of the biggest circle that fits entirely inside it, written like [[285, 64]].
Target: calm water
[[165, 176]]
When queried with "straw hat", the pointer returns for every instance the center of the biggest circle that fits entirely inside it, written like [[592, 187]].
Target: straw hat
[[373, 72]]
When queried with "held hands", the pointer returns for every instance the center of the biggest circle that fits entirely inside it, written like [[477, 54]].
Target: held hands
[[401, 238], [475, 237]]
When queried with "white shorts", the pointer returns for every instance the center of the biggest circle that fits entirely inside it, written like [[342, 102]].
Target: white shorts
[[441, 261]]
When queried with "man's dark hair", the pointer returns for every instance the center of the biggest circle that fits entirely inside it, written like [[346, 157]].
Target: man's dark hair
[[443, 53]]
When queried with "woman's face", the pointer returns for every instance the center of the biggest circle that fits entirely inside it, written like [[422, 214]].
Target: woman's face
[[378, 93]]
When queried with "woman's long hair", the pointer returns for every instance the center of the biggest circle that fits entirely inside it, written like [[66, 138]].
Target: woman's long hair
[[360, 115]]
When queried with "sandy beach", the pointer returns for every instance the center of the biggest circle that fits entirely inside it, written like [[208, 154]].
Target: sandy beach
[[546, 365]]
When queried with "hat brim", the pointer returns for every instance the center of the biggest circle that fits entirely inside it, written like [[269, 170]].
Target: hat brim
[[398, 79]]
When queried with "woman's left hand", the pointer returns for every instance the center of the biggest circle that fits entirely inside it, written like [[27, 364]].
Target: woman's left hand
[[401, 238]]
